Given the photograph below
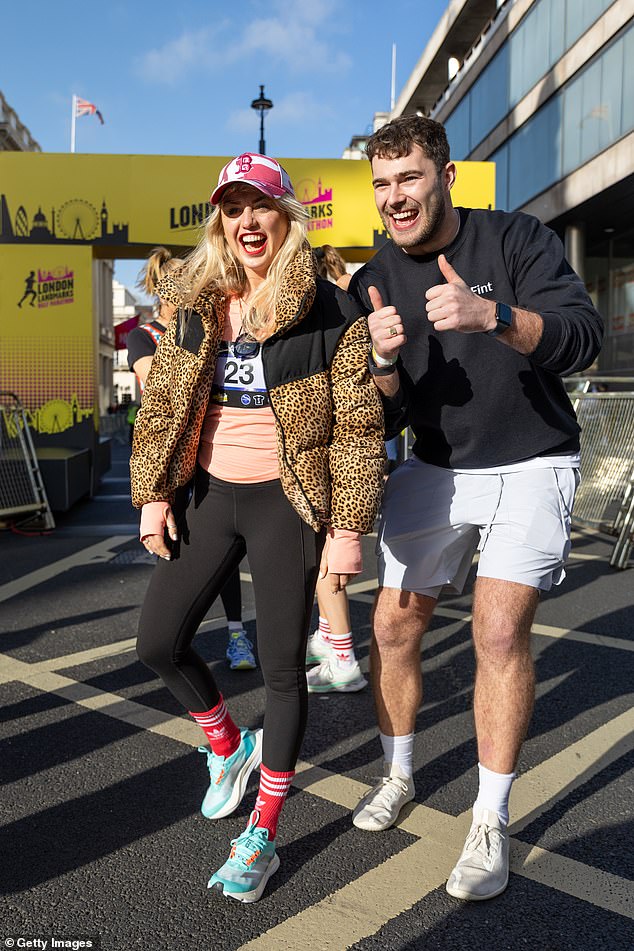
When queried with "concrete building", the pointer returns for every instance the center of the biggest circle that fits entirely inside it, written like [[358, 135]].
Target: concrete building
[[14, 135], [545, 89]]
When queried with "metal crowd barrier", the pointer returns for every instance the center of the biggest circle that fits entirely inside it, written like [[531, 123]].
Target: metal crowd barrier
[[605, 498], [22, 492], [114, 425]]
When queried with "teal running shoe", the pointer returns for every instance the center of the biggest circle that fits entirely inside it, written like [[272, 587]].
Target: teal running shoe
[[251, 863], [240, 652], [229, 775]]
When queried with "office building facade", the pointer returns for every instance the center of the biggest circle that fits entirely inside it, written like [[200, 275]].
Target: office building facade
[[544, 88]]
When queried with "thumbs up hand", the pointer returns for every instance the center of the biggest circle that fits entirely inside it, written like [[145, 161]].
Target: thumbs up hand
[[385, 327], [454, 306]]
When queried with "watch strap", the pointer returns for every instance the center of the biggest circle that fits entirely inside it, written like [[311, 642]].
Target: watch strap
[[503, 319]]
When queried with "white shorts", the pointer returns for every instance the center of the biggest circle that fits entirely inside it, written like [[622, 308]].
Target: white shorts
[[433, 520]]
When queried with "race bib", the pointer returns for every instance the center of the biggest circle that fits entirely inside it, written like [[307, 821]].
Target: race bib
[[239, 381]]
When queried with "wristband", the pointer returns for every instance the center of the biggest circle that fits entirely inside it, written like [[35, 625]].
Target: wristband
[[377, 370], [381, 361]]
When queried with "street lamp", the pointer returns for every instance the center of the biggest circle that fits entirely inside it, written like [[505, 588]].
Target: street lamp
[[262, 104]]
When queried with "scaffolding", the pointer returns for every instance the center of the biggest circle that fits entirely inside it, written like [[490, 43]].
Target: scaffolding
[[22, 494]]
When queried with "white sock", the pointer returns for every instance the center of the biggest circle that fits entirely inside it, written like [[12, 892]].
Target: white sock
[[234, 626], [324, 629], [494, 791], [343, 648], [398, 751]]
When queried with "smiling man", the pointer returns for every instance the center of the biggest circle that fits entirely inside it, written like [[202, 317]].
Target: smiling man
[[474, 317]]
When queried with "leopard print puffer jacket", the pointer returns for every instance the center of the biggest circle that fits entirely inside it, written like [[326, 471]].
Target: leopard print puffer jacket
[[328, 413]]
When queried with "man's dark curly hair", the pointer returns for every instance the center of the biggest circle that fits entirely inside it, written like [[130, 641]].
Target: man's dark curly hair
[[396, 139]]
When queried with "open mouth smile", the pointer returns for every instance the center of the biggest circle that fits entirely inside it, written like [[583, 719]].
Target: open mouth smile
[[253, 243], [402, 220]]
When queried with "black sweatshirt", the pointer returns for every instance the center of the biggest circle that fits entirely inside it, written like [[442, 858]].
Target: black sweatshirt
[[472, 401]]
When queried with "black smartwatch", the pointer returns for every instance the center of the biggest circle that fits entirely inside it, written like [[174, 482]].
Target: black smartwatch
[[503, 320]]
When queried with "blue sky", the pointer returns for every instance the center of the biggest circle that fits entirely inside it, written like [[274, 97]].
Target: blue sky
[[179, 77]]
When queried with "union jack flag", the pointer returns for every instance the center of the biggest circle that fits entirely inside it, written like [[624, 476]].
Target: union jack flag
[[85, 108]]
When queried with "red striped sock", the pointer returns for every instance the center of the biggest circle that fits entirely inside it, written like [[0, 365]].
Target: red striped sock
[[219, 728], [272, 794], [324, 629], [343, 647]]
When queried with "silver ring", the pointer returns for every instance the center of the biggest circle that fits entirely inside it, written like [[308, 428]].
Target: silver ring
[[393, 331]]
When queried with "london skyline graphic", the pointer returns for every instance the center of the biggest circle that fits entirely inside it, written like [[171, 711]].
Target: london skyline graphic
[[76, 221]]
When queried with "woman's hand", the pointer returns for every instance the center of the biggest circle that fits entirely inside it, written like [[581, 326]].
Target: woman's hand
[[337, 581], [155, 544]]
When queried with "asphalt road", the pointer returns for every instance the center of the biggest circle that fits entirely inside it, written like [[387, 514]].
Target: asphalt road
[[102, 839]]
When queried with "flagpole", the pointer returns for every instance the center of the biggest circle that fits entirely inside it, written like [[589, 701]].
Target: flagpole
[[72, 124]]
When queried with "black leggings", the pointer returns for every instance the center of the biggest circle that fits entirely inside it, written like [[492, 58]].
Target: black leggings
[[231, 596], [223, 522]]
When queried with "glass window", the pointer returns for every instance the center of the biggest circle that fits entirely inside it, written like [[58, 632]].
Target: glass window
[[572, 125], [535, 154], [501, 159], [592, 111], [580, 14], [516, 63], [627, 113], [557, 31], [489, 97], [536, 59], [457, 129], [611, 94]]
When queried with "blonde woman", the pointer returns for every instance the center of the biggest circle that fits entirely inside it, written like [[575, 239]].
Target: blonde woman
[[142, 343], [261, 392]]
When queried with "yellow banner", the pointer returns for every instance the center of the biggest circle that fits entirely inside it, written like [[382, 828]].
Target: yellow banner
[[124, 204], [47, 351]]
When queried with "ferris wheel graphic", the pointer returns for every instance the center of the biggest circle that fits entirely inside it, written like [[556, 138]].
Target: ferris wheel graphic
[[55, 416], [77, 219]]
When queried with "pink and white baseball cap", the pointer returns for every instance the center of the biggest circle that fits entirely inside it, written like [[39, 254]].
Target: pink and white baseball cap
[[262, 172]]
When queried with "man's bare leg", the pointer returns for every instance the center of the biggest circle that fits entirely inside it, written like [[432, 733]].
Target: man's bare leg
[[503, 613], [400, 620]]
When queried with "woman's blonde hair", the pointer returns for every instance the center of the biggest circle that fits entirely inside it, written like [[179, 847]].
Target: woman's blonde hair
[[329, 262], [159, 263], [212, 265]]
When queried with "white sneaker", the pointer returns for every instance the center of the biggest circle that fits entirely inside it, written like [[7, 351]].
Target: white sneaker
[[482, 871], [331, 675], [317, 649], [380, 807]]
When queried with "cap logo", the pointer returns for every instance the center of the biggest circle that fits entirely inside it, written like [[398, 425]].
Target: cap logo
[[265, 174], [244, 164]]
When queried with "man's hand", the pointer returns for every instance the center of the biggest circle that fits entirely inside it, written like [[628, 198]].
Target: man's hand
[[386, 329], [454, 306]]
